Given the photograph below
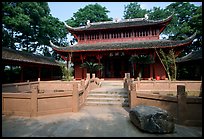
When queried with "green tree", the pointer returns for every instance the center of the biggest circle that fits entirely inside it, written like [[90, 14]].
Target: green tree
[[29, 26], [91, 12], [67, 73], [183, 12], [187, 21], [168, 60], [157, 13], [133, 10], [141, 59]]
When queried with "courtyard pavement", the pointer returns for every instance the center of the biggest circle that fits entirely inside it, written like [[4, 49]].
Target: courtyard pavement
[[90, 121]]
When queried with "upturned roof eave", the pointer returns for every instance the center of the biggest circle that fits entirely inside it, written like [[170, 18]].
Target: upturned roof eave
[[93, 47]]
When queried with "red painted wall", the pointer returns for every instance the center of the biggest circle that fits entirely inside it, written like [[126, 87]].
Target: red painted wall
[[159, 70], [77, 71]]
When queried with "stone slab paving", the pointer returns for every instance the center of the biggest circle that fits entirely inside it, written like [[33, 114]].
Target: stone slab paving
[[90, 121]]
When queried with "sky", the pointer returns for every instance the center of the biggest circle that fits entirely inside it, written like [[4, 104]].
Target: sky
[[65, 10]]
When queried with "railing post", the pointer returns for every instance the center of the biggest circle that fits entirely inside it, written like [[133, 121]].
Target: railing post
[[93, 75], [127, 75], [125, 85], [182, 108], [34, 101], [75, 100], [88, 76], [83, 87], [133, 95], [127, 80]]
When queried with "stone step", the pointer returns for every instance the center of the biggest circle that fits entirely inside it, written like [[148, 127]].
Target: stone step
[[105, 99], [124, 104], [102, 94], [113, 84], [109, 90], [110, 93]]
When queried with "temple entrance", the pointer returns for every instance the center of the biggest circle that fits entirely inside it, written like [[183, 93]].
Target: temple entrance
[[117, 68]]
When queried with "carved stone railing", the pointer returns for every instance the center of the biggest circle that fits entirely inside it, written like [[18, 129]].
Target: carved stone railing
[[185, 104], [46, 97]]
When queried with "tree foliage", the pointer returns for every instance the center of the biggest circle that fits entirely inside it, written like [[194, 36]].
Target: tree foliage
[[187, 21], [157, 13], [92, 67], [183, 11], [91, 12], [133, 10], [67, 73], [29, 26], [142, 59]]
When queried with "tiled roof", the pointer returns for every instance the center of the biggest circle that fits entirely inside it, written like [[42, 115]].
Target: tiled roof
[[119, 24], [147, 44], [195, 55], [19, 56]]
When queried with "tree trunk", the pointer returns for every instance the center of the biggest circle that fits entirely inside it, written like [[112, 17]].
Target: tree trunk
[[167, 71], [169, 76]]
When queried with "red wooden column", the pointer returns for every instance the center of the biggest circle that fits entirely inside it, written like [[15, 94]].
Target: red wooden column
[[52, 78], [39, 72], [82, 61], [99, 62], [154, 70], [151, 67], [69, 58], [22, 67]]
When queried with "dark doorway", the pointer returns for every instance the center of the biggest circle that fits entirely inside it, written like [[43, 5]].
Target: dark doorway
[[117, 68]]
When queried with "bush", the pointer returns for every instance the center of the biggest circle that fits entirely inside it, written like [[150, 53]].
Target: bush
[[67, 73]]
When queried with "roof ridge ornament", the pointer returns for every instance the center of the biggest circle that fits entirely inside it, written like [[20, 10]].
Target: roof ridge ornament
[[117, 20], [53, 45], [88, 23], [67, 25], [146, 16]]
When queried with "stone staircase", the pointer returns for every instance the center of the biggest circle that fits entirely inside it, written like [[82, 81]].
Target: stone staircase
[[110, 93]]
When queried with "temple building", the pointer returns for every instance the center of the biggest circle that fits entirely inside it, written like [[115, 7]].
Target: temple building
[[113, 43], [20, 66]]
